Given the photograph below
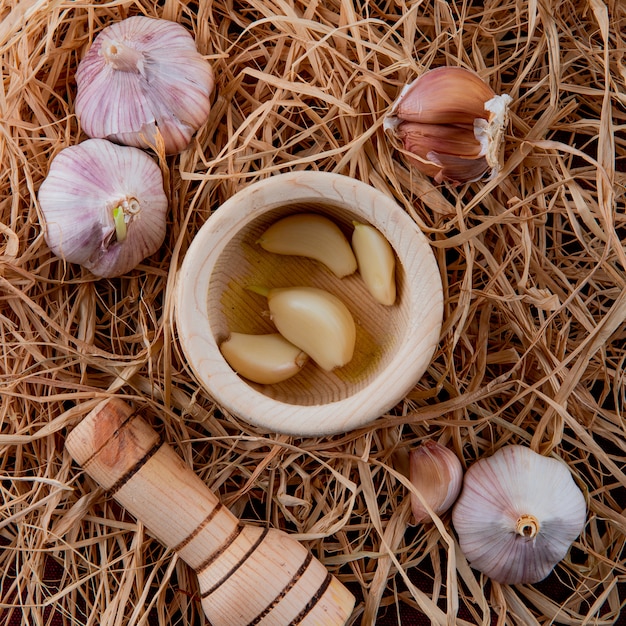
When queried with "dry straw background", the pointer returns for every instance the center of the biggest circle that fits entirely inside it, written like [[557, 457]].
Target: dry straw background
[[532, 350]]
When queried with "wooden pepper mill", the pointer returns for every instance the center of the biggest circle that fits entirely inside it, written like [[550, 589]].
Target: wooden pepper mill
[[246, 574]]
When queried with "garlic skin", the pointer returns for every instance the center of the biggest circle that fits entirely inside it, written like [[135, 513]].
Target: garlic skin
[[315, 321], [518, 514], [452, 123], [376, 262], [265, 359], [103, 206], [314, 236], [438, 475], [142, 76]]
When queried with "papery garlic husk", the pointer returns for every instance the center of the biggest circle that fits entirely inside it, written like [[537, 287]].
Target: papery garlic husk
[[142, 76], [452, 123], [438, 475], [104, 206], [266, 359], [314, 236], [314, 320], [518, 514]]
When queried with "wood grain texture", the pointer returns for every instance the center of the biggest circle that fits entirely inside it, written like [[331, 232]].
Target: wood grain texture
[[394, 343], [247, 574]]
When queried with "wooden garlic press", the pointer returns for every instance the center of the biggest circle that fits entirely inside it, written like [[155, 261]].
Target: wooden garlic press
[[246, 574]]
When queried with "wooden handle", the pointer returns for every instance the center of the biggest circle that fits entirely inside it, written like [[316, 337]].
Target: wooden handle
[[247, 574]]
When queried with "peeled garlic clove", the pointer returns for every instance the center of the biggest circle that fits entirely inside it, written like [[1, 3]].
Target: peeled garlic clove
[[376, 262], [453, 123], [104, 206], [314, 236], [315, 321], [265, 359], [518, 514], [438, 474], [142, 76]]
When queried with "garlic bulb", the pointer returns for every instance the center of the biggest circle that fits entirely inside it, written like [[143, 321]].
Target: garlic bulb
[[452, 123], [376, 262], [104, 206], [314, 236], [315, 321], [518, 514], [265, 359], [438, 474], [140, 76]]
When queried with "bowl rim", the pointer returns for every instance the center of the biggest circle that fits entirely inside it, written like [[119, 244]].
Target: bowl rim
[[233, 393]]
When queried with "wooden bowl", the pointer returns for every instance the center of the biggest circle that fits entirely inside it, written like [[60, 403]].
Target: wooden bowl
[[394, 344]]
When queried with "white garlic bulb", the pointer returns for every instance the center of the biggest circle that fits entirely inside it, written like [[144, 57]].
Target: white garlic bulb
[[142, 75], [104, 206], [438, 474], [518, 514]]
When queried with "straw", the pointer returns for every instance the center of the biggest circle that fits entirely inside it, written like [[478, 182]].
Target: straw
[[532, 351]]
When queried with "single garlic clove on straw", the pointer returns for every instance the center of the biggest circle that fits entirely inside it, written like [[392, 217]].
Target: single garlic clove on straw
[[452, 123], [518, 514], [264, 359], [103, 206], [315, 321], [438, 474], [444, 95], [140, 77], [376, 262], [453, 149], [314, 236]]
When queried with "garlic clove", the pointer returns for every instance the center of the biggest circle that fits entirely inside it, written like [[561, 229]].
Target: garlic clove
[[447, 139], [314, 236], [518, 514], [445, 95], [140, 77], [455, 169], [438, 474], [453, 123], [315, 321], [103, 206], [264, 359], [376, 262]]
